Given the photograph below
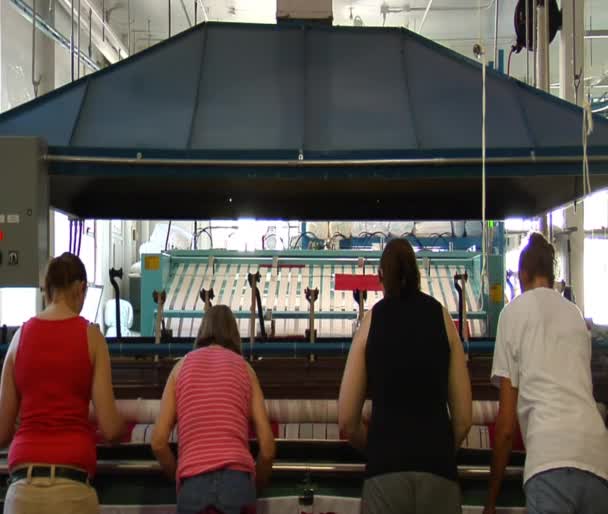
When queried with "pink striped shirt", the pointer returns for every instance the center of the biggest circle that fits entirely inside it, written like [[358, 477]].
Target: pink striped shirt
[[213, 395]]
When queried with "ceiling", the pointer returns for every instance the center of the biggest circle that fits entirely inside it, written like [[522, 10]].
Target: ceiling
[[456, 24]]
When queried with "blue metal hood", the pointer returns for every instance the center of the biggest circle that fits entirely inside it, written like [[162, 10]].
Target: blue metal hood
[[300, 121]]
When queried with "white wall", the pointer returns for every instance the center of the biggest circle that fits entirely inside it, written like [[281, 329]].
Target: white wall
[[15, 58]]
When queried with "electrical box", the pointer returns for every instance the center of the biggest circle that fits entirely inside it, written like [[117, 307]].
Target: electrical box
[[305, 9], [24, 212]]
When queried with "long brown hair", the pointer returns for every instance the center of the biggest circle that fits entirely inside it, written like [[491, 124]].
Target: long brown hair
[[399, 272], [219, 327], [537, 259], [61, 273]]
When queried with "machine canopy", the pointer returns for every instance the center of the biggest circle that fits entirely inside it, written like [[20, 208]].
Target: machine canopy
[[307, 122]]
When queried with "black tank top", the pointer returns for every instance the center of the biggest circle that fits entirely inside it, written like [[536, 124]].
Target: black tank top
[[407, 357]]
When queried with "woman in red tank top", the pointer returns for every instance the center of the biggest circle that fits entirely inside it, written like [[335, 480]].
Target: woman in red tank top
[[213, 394], [56, 364]]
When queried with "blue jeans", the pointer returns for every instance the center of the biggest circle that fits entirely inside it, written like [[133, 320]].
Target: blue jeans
[[566, 491], [226, 490]]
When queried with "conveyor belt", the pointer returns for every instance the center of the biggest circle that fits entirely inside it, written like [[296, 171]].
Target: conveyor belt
[[282, 291]]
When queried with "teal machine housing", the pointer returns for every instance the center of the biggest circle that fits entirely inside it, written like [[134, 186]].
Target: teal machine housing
[[286, 274]]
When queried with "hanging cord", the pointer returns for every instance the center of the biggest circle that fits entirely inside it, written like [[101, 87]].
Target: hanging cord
[[480, 53]]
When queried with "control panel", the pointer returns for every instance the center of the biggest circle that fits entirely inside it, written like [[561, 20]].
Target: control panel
[[24, 212]]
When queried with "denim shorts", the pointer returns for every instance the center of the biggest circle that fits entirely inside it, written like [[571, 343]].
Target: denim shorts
[[226, 490], [566, 491]]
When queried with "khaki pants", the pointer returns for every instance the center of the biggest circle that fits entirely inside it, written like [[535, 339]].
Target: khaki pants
[[50, 496], [410, 493]]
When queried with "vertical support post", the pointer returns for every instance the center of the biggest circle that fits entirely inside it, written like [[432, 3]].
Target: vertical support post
[[79, 33], [496, 301], [572, 51], [43, 49], [72, 39], [542, 46], [575, 252], [129, 26], [572, 66], [169, 17], [527, 48], [535, 38], [496, 12], [154, 275], [90, 32]]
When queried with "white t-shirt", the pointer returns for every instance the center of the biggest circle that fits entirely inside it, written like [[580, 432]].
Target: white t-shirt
[[544, 348]]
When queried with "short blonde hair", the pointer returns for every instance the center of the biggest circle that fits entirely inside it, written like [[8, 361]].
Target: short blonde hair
[[219, 327]]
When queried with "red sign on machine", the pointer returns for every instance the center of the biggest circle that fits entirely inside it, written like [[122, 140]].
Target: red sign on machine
[[345, 282]]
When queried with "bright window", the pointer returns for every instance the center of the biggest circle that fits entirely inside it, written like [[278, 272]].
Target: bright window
[[17, 305], [596, 280], [596, 258]]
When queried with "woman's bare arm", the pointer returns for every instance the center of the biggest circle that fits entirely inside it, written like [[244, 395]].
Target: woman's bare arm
[[354, 388], [460, 398]]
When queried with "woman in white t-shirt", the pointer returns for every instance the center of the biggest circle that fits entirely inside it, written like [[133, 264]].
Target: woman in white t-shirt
[[542, 366]]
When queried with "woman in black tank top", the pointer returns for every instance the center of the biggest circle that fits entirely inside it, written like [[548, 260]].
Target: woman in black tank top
[[408, 358]]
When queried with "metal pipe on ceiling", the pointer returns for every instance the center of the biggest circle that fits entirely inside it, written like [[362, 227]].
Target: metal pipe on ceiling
[[72, 40], [444, 8], [129, 25], [426, 12], [79, 34], [35, 82], [204, 9], [496, 9], [186, 14], [169, 4], [319, 163], [100, 18], [26, 11]]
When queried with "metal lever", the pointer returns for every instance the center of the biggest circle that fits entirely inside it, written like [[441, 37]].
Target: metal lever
[[253, 279], [462, 305], [159, 298], [206, 295], [312, 296], [114, 274], [360, 297]]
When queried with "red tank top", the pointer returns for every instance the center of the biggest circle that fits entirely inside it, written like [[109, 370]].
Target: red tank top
[[54, 376], [213, 395]]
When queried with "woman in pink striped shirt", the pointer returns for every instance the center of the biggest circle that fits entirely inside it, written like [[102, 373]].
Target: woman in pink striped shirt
[[213, 395]]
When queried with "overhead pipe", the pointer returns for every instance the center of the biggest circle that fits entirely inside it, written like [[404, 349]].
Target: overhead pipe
[[26, 11], [72, 41], [128, 25], [108, 32], [169, 6], [426, 12], [496, 12], [186, 14], [442, 8], [35, 82], [204, 9], [79, 33], [319, 163]]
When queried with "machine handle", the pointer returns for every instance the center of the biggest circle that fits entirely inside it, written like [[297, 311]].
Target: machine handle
[[461, 277], [114, 274]]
